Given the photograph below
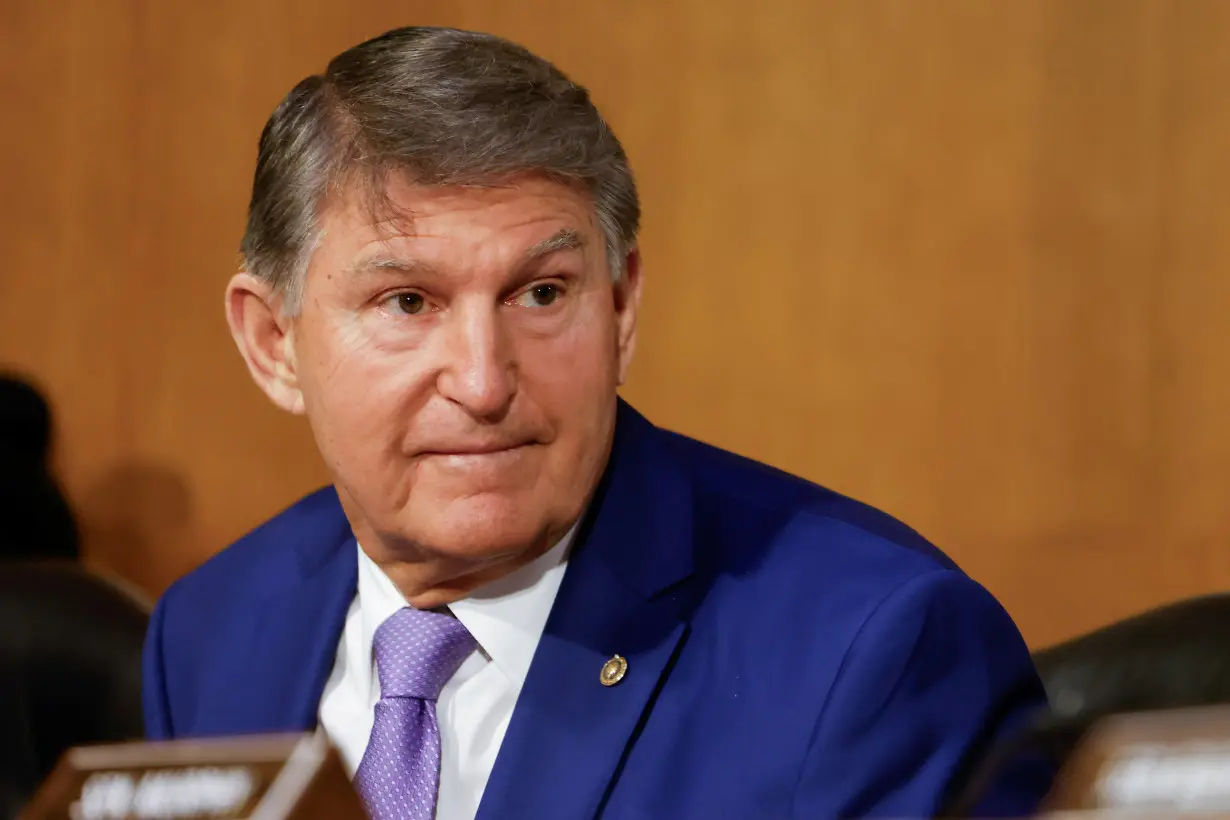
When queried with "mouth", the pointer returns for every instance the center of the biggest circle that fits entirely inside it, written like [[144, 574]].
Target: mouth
[[483, 464], [475, 450]]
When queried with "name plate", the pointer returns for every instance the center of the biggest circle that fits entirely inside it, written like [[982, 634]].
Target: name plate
[[254, 778], [1159, 763]]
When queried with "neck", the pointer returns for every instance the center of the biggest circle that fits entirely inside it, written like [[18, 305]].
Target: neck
[[433, 581], [427, 575]]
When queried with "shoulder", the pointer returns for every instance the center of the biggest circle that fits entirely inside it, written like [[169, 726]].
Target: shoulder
[[274, 554], [200, 615], [749, 507], [778, 549], [862, 591]]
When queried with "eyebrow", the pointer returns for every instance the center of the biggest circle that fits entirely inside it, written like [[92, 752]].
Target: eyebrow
[[565, 239], [389, 263]]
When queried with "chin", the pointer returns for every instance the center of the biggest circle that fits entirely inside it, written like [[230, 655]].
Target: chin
[[478, 526]]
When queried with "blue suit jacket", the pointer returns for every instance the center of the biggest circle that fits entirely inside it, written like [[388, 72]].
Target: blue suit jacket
[[791, 653]]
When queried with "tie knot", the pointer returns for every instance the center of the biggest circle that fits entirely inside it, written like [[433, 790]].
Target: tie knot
[[417, 652]]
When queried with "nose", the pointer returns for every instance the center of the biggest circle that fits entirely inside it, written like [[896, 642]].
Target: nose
[[479, 373]]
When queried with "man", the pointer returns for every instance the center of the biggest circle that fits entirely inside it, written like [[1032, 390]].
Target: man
[[521, 599], [38, 522]]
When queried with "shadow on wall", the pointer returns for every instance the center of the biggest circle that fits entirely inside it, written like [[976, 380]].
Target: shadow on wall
[[129, 524], [135, 518], [37, 521]]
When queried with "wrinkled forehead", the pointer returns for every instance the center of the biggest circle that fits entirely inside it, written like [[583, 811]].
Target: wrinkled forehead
[[395, 204], [513, 219]]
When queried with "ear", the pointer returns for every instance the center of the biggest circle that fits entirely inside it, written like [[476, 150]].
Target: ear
[[264, 337], [627, 304]]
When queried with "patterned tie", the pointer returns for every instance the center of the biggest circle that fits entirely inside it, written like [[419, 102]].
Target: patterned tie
[[416, 653]]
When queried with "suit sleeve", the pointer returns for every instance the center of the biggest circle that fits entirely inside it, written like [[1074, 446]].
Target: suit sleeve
[[154, 699], [937, 674]]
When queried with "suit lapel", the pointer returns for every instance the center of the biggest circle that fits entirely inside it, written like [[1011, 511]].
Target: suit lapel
[[569, 732], [294, 641], [301, 633]]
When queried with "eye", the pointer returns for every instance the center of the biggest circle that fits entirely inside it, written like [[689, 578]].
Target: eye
[[408, 303], [539, 296]]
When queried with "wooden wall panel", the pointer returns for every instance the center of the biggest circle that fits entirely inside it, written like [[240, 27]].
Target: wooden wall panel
[[967, 261]]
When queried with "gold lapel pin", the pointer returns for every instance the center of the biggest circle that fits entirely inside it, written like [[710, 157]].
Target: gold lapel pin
[[613, 671]]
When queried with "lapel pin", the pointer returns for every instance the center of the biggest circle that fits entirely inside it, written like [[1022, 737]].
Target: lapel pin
[[613, 671]]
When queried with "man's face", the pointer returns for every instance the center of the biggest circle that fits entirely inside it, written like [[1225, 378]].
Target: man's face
[[459, 366]]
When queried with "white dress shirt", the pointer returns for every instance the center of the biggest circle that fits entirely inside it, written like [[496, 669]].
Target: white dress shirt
[[506, 619]]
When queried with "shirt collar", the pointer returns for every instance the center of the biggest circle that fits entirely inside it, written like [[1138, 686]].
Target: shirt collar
[[506, 617]]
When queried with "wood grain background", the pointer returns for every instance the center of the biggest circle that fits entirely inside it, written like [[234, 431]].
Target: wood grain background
[[967, 261]]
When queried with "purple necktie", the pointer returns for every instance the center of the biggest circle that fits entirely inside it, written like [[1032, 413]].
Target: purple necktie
[[416, 653]]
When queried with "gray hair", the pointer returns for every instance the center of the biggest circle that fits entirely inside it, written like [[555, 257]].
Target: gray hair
[[444, 107]]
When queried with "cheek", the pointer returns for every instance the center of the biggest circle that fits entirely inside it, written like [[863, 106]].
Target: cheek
[[359, 396], [569, 374], [572, 380]]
